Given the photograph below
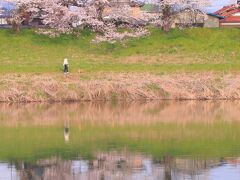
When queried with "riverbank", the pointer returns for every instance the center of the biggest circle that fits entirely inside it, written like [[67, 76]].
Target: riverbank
[[118, 86], [185, 64]]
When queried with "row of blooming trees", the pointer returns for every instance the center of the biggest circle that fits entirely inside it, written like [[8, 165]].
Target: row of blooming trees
[[63, 16]]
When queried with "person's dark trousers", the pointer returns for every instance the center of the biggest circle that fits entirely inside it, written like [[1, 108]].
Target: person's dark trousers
[[65, 68]]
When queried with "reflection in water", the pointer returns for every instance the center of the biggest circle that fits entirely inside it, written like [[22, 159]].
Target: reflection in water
[[122, 113], [115, 165], [157, 140], [66, 131]]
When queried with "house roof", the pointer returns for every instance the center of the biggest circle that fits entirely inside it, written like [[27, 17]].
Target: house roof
[[231, 19], [7, 5], [151, 8], [228, 12], [225, 10], [215, 15], [4, 13], [190, 10], [132, 3]]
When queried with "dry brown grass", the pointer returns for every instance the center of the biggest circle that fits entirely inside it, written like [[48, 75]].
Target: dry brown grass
[[123, 86]]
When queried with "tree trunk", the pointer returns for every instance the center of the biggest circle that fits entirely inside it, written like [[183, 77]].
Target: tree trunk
[[166, 18], [166, 27], [16, 27], [100, 9]]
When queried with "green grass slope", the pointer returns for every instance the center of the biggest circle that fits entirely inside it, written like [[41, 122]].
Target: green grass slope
[[178, 51]]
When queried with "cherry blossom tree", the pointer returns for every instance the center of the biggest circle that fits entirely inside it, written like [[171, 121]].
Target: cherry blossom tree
[[63, 16], [168, 8], [55, 14]]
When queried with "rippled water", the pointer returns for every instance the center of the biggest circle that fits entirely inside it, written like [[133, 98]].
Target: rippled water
[[155, 140]]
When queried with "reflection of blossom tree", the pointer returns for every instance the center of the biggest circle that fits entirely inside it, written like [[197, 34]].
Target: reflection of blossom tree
[[124, 165]]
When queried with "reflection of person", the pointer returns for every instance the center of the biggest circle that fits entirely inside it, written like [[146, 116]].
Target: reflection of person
[[65, 65], [66, 131]]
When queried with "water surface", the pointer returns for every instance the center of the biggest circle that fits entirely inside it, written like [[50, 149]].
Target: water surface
[[154, 140]]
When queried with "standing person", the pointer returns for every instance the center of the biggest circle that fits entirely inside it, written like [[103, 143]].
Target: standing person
[[65, 66]]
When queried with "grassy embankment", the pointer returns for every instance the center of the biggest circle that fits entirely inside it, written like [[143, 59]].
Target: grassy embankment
[[190, 50]]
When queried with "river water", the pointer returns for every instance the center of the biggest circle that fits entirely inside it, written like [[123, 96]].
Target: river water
[[165, 140]]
